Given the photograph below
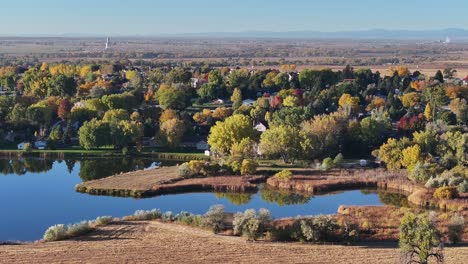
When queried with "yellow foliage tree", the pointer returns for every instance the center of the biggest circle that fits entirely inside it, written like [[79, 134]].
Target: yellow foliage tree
[[376, 103], [411, 156], [452, 91], [167, 115], [349, 103], [410, 99], [428, 112]]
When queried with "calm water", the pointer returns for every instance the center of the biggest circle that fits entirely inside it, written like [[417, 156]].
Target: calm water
[[37, 193]]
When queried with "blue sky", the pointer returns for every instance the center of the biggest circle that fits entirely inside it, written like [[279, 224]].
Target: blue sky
[[152, 17]]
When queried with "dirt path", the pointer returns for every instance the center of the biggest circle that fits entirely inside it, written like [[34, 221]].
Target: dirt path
[[154, 242]]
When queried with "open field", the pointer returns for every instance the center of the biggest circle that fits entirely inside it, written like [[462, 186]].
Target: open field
[[427, 57], [155, 242]]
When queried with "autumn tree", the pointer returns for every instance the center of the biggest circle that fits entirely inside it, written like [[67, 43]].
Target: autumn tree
[[236, 98], [64, 109], [171, 132], [116, 115], [410, 99], [234, 129], [350, 104], [460, 108], [391, 153], [282, 141]]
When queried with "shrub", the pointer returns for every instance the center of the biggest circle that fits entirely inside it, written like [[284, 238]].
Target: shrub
[[185, 171], [350, 232], [102, 220], [27, 147], [319, 228], [248, 167], [214, 218], [463, 187], [445, 192], [422, 172], [284, 175], [55, 233], [190, 219], [455, 228], [196, 167], [167, 216], [251, 224], [338, 159], [147, 215], [432, 183], [78, 229], [327, 164]]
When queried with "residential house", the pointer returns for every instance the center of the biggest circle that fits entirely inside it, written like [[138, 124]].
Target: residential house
[[202, 145], [260, 127], [248, 102], [22, 145], [40, 144]]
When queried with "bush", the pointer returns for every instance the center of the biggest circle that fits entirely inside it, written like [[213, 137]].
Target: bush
[[248, 167], [432, 183], [55, 233], [147, 215], [463, 187], [27, 147], [102, 220], [167, 216], [251, 224], [284, 175], [196, 167], [445, 192], [422, 172], [455, 228], [185, 171], [350, 231], [319, 228], [78, 229], [214, 218], [190, 219], [327, 164], [338, 159]]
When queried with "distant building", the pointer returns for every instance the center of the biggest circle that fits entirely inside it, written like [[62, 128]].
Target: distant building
[[40, 144], [107, 43], [202, 145], [260, 127], [248, 102], [22, 145]]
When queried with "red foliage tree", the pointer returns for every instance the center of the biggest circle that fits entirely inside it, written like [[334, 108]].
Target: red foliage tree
[[64, 109]]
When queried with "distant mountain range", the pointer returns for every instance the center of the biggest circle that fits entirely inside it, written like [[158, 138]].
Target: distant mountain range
[[438, 34]]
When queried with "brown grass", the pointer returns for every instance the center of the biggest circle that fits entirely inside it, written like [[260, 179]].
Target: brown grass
[[155, 242]]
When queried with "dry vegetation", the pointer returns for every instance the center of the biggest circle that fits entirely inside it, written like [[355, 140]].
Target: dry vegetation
[[426, 57], [163, 181], [155, 242]]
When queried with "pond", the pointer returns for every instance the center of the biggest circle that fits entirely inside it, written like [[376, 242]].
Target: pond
[[36, 193]]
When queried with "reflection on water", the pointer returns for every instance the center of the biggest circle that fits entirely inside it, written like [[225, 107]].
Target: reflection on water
[[37, 193], [89, 169], [282, 197]]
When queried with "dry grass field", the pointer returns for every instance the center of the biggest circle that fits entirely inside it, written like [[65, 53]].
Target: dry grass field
[[155, 242]]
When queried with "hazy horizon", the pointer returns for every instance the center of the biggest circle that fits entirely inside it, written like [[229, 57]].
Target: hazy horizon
[[155, 18]]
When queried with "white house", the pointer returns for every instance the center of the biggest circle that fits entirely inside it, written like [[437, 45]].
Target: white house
[[22, 145], [248, 102], [260, 127], [40, 144]]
